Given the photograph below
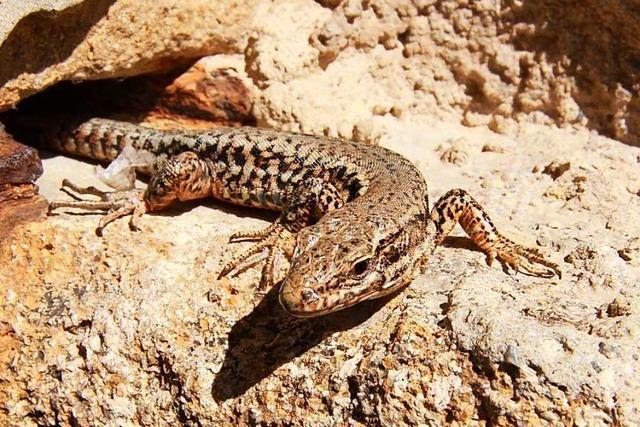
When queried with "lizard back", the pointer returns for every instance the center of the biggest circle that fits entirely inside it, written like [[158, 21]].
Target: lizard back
[[260, 167]]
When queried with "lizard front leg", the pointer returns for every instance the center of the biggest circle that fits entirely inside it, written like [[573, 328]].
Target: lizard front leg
[[183, 177], [457, 206], [304, 206]]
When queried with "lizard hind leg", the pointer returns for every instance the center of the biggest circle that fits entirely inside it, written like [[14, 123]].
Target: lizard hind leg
[[457, 206], [274, 239], [306, 204], [116, 204], [68, 186], [256, 235]]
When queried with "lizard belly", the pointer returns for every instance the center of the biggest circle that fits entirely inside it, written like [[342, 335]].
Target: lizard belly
[[251, 197]]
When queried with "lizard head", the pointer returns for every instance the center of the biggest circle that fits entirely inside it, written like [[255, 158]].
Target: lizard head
[[337, 264]]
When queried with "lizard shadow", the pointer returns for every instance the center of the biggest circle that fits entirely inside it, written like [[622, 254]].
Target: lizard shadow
[[269, 337], [180, 208], [461, 242]]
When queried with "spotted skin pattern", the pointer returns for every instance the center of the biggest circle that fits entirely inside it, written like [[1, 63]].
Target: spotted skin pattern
[[355, 222]]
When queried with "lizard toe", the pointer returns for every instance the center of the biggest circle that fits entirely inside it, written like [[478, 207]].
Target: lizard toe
[[519, 258]]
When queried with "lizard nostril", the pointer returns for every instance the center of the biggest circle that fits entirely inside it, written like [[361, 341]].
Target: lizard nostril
[[309, 295]]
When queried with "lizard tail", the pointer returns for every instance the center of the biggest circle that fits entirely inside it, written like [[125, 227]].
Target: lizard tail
[[65, 134], [98, 139]]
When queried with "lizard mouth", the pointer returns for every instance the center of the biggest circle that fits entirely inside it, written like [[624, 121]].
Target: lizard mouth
[[306, 312], [307, 302], [303, 303]]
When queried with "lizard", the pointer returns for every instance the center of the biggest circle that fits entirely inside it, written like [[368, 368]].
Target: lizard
[[354, 219]]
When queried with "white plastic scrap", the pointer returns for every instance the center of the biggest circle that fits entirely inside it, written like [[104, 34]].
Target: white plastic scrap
[[121, 172]]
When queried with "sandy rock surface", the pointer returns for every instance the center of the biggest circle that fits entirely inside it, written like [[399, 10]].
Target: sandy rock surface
[[492, 63], [134, 327]]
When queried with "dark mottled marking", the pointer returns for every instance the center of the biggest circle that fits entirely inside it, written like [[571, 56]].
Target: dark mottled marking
[[256, 152], [238, 156], [354, 188]]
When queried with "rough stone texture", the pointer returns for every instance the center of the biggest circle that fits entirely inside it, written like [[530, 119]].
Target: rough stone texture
[[19, 164], [42, 43], [19, 200], [487, 62], [210, 91], [134, 328], [19, 204]]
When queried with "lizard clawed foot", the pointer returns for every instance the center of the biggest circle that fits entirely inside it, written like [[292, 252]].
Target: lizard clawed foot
[[519, 258], [116, 204], [458, 207], [275, 238]]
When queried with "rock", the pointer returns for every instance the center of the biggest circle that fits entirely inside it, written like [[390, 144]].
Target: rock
[[19, 164], [211, 92], [208, 92], [19, 204], [479, 63], [556, 169], [491, 148], [135, 327], [143, 315], [475, 63], [19, 201], [44, 43], [618, 308], [455, 153], [631, 252]]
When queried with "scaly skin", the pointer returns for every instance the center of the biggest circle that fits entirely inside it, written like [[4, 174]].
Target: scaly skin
[[354, 224]]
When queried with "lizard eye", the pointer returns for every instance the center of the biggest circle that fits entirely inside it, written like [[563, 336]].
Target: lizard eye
[[360, 267]]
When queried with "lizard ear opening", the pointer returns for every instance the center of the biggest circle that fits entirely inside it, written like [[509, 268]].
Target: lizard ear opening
[[392, 254]]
